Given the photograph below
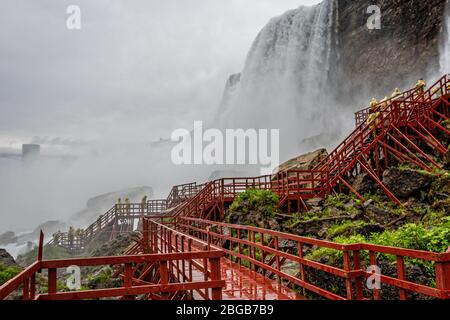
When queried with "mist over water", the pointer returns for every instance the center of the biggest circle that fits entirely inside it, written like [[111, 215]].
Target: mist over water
[[284, 83], [52, 189], [282, 87]]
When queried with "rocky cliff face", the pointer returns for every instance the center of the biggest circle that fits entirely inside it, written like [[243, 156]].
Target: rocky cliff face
[[406, 47], [305, 60]]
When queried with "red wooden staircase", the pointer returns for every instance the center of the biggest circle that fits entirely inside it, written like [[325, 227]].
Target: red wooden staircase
[[369, 149]]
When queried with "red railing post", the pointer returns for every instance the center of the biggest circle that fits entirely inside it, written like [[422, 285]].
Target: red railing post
[[358, 280], [33, 286], [52, 281], [373, 262], [145, 236], [26, 289], [128, 280], [164, 274], [41, 246], [401, 275], [443, 275], [302, 267], [348, 279], [205, 275], [216, 293]]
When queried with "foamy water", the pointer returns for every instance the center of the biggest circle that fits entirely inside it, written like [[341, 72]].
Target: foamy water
[[445, 51], [285, 76]]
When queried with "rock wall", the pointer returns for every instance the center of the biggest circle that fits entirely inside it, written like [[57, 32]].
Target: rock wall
[[405, 49], [373, 62]]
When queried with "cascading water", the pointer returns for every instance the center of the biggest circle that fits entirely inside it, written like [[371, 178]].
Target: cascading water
[[445, 50], [285, 76]]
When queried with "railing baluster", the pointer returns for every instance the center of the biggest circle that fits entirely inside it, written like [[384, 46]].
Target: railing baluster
[[401, 275]]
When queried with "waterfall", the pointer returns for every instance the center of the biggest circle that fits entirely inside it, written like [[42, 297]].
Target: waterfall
[[445, 48], [285, 76]]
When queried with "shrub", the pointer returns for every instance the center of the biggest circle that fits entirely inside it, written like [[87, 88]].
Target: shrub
[[409, 236], [254, 199], [344, 228], [7, 273]]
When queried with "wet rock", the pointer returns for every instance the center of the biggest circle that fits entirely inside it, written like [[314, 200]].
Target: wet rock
[[405, 183], [315, 202], [116, 246], [363, 183], [379, 59], [6, 259], [368, 229], [304, 162], [377, 215]]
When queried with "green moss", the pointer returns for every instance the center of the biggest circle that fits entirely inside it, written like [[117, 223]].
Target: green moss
[[335, 255], [409, 236], [440, 188], [378, 201], [103, 277], [255, 199], [7, 273], [344, 228]]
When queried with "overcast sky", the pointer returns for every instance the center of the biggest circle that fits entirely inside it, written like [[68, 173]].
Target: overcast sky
[[136, 70]]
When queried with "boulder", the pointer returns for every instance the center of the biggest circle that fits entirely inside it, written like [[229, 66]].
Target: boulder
[[314, 202], [303, 162], [363, 184], [6, 259], [373, 214], [405, 183]]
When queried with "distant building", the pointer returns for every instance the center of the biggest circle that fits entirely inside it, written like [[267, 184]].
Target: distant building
[[30, 153]]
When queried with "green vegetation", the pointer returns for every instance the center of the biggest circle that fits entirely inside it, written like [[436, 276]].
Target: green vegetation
[[341, 201], [345, 228], [253, 199], [409, 236], [49, 252], [7, 273], [99, 279]]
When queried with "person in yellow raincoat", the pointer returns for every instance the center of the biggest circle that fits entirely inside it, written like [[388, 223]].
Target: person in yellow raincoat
[[373, 120], [384, 103], [421, 85], [127, 206], [144, 205], [70, 236], [396, 93], [119, 206], [373, 103]]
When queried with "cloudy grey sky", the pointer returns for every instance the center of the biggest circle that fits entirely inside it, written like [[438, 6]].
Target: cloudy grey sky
[[135, 71]]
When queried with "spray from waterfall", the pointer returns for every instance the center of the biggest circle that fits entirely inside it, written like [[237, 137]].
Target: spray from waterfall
[[445, 49], [284, 83]]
